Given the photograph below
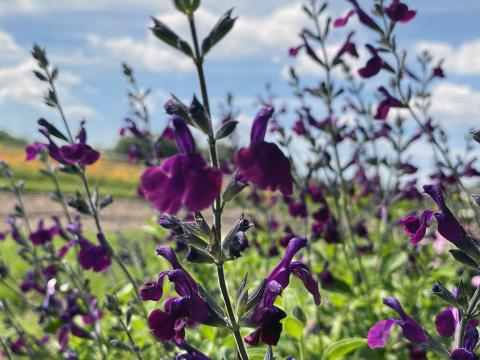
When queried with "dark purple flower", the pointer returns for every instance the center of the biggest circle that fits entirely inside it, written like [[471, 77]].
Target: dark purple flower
[[447, 321], [347, 48], [469, 342], [151, 291], [270, 327], [438, 71], [388, 102], [189, 307], [398, 11], [373, 65], [43, 235], [79, 152], [297, 208], [448, 225], [263, 163], [378, 333], [182, 179], [95, 257], [364, 18], [415, 227], [342, 21], [32, 150], [192, 353], [299, 127], [266, 315]]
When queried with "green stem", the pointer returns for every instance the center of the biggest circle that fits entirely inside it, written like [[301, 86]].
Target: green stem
[[217, 207], [130, 339], [6, 350], [98, 335], [115, 256], [472, 306]]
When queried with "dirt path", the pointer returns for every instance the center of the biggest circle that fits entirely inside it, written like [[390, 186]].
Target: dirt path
[[121, 215]]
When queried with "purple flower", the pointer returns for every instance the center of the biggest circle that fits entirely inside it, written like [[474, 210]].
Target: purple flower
[[263, 163], [398, 11], [342, 21], [266, 315], [415, 227], [378, 333], [388, 102], [373, 65], [43, 235], [269, 329], [79, 152], [347, 48], [364, 18], [448, 225], [32, 150], [192, 353], [95, 257], [438, 71], [182, 179], [447, 321], [189, 307], [151, 291], [469, 342], [299, 127]]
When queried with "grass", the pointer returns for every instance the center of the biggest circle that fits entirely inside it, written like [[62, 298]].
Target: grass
[[116, 178]]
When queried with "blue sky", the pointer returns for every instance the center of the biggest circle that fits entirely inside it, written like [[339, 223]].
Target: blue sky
[[89, 39]]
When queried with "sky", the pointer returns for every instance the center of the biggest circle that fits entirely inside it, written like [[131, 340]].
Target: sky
[[89, 39]]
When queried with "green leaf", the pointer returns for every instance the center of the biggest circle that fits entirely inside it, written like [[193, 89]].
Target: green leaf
[[52, 129], [168, 36], [293, 327], [227, 129], [339, 349], [221, 28]]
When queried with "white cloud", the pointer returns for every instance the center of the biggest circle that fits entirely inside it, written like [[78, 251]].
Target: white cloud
[[81, 112], [149, 54], [19, 85], [52, 6], [455, 104], [9, 48], [463, 59], [251, 35]]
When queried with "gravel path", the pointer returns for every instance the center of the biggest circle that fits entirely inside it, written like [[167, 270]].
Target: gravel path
[[122, 214]]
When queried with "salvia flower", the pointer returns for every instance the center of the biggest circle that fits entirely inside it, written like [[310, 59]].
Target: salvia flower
[[182, 179], [32, 150], [415, 227], [386, 104], [347, 48], [447, 321], [469, 343], [191, 352], [342, 21], [95, 257], [449, 227], [373, 65], [266, 315], [263, 163], [188, 308], [379, 333], [43, 235], [398, 11], [364, 18], [80, 152]]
